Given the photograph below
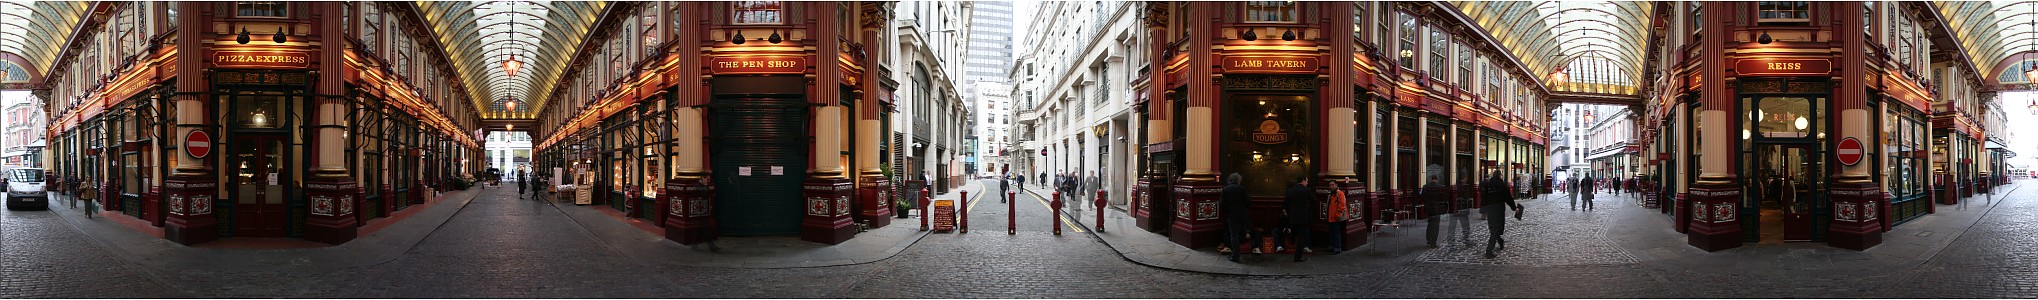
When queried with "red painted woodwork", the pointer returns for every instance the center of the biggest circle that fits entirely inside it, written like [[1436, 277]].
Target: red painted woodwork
[[691, 218], [827, 211]]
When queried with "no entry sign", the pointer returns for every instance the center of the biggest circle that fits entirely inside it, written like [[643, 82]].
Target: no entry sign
[[1849, 152], [197, 144]]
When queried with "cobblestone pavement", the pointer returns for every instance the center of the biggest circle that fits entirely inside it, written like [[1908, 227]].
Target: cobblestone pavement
[[500, 246], [44, 257]]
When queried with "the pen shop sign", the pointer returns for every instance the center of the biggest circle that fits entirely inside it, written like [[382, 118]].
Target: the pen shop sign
[[260, 59]]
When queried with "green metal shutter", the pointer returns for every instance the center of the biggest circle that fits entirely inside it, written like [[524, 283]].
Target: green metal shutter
[[758, 133]]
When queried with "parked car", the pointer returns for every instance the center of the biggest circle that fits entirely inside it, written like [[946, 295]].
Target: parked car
[[25, 189]]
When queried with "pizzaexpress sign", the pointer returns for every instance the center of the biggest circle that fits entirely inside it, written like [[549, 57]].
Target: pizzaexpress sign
[[261, 59]]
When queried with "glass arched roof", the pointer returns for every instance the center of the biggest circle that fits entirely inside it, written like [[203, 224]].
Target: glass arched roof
[[1599, 44], [1992, 31], [37, 30], [480, 35]]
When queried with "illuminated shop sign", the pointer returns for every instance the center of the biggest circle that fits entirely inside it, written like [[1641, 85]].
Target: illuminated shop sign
[[258, 59], [1782, 66], [1270, 133], [758, 65], [1270, 64]]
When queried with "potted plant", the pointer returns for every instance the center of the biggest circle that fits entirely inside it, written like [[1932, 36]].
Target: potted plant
[[899, 202]]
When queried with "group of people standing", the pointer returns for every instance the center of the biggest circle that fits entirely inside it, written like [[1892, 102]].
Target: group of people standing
[[1299, 212]]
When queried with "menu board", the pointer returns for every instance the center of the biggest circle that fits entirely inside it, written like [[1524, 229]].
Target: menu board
[[944, 215]]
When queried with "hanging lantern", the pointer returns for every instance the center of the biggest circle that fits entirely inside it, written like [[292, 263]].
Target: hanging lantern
[[512, 65], [2031, 73], [1588, 116], [1560, 76]]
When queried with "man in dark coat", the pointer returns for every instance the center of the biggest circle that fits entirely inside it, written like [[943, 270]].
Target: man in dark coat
[[1571, 187], [1587, 187], [1301, 212], [1436, 198], [1233, 206], [1498, 200]]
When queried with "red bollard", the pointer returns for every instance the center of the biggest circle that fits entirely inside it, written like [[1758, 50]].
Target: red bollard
[[963, 211], [925, 200], [1011, 219], [1100, 210], [1056, 217]]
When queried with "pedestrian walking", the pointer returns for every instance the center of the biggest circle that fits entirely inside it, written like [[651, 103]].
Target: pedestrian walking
[[1571, 189], [1463, 212], [1338, 214], [521, 183], [1301, 212], [1585, 197], [1004, 184], [1022, 183], [1234, 203], [1435, 199], [1498, 201]]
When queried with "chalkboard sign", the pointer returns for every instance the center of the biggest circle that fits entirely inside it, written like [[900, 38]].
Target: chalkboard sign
[[944, 215]]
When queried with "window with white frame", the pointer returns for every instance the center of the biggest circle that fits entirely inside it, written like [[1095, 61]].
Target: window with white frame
[[1782, 11], [758, 12], [1440, 54], [1270, 12], [261, 9]]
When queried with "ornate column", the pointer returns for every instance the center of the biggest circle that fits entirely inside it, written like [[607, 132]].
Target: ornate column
[[827, 186], [330, 186], [1153, 196], [691, 217], [1856, 198], [1715, 198], [1196, 224], [191, 185], [873, 190], [1340, 119]]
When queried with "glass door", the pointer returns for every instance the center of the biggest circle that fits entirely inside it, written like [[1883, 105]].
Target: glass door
[[258, 191]]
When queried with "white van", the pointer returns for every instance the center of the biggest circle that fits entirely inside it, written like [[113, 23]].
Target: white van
[[25, 189]]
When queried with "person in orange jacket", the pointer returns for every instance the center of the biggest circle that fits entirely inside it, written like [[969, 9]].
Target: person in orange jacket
[[1338, 216]]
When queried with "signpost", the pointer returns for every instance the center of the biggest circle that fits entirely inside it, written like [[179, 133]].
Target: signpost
[[197, 144], [1849, 151]]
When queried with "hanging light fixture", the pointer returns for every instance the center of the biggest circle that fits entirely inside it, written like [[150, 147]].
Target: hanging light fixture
[[1589, 117], [242, 38], [2031, 70], [512, 65], [2034, 106], [1561, 75]]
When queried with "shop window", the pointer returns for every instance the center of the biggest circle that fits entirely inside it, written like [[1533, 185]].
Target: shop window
[[257, 111], [1270, 11], [261, 9], [1274, 147], [758, 12], [1440, 54], [1783, 12], [1409, 33]]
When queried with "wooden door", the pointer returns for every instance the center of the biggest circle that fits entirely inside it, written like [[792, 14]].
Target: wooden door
[[258, 187]]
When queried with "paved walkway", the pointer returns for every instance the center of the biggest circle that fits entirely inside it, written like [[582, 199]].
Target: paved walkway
[[155, 252], [632, 238], [1618, 232]]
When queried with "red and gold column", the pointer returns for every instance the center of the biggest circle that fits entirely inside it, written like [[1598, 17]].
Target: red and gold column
[[1856, 197], [873, 190], [330, 187], [1196, 223], [828, 186], [690, 218], [1714, 205], [1153, 210], [191, 186]]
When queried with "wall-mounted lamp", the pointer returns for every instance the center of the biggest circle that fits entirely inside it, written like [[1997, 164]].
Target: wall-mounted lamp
[[774, 37], [1288, 35], [242, 38], [738, 39], [1247, 34], [279, 38], [1764, 39]]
